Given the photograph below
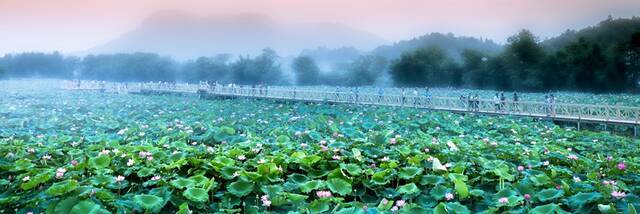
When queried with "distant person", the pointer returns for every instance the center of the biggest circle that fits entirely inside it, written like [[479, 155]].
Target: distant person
[[515, 102], [469, 102], [476, 102], [552, 105], [415, 96], [503, 101], [427, 95], [294, 92], [496, 102], [402, 93], [547, 106], [355, 94], [380, 93]]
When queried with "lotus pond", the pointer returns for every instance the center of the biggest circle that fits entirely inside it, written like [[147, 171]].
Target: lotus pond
[[84, 152]]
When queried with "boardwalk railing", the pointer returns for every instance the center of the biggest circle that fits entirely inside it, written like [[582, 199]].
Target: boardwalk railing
[[559, 111]]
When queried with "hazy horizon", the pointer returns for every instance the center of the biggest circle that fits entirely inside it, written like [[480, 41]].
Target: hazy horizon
[[75, 26]]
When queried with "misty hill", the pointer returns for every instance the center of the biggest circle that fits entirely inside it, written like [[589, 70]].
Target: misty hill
[[450, 43], [606, 33], [183, 36]]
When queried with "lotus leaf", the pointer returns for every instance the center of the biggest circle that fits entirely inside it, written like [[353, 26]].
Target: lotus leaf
[[240, 188], [196, 194], [149, 202]]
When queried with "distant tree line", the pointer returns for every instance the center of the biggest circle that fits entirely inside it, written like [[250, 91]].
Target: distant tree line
[[604, 58], [526, 65], [143, 67]]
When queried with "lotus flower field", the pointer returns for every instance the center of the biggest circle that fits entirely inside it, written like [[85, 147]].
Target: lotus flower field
[[87, 152]]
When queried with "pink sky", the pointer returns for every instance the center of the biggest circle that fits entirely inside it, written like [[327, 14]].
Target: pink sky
[[76, 25]]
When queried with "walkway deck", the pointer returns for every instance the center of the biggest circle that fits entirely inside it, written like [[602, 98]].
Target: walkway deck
[[588, 113]]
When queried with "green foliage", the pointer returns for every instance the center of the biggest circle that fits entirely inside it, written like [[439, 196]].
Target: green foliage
[[149, 202], [270, 164]]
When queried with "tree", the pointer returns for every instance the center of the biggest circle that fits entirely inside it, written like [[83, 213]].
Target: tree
[[207, 68], [46, 65], [306, 70], [128, 67], [365, 70], [262, 69], [423, 67], [475, 69], [524, 57]]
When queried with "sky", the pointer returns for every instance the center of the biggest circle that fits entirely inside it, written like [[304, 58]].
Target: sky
[[72, 26]]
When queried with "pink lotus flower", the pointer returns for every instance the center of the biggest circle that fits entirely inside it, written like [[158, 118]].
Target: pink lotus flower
[[545, 163], [400, 203], [149, 158], [144, 154], [46, 157], [323, 194], [303, 145], [527, 197], [394, 209], [265, 201], [60, 172], [130, 162], [618, 194], [503, 200], [26, 178], [384, 201], [322, 142], [119, 178], [74, 162], [609, 158], [572, 157], [622, 166], [448, 196], [520, 168], [384, 159], [241, 157], [337, 157], [324, 148], [392, 141]]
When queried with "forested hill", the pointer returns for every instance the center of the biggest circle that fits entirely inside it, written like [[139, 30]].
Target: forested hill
[[450, 43], [606, 33]]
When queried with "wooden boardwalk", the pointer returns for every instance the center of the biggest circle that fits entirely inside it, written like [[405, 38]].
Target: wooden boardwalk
[[579, 113]]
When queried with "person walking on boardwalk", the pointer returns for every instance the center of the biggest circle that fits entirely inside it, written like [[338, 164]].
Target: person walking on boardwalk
[[476, 103], [547, 106], [427, 95], [403, 95], [415, 96], [380, 93], [356, 92], [503, 101], [515, 102], [470, 102], [496, 102], [552, 105]]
